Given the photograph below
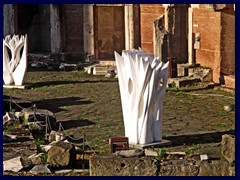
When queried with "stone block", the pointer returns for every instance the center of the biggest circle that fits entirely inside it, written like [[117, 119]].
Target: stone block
[[100, 70], [14, 164], [118, 166], [182, 71], [62, 154], [213, 168], [40, 169], [40, 115], [185, 167], [130, 153], [228, 148], [37, 158], [230, 81], [182, 82]]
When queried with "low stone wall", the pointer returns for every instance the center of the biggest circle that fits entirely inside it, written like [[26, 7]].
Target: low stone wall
[[153, 166]]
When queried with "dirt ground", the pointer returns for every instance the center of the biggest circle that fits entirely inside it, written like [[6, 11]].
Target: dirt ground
[[193, 117]]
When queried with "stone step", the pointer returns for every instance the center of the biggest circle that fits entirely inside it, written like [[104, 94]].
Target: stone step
[[229, 81], [100, 70], [182, 70], [107, 62], [182, 82]]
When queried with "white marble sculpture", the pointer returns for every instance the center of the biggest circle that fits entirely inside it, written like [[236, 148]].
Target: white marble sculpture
[[14, 69], [142, 82]]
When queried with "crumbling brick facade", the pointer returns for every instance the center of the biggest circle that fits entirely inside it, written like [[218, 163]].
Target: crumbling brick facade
[[149, 13], [217, 41], [79, 28]]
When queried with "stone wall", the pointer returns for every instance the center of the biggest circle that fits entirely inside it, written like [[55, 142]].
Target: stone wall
[[217, 40], [228, 43], [148, 13], [45, 27], [108, 31], [72, 27], [208, 24], [180, 41], [152, 163], [136, 17], [153, 166], [34, 20]]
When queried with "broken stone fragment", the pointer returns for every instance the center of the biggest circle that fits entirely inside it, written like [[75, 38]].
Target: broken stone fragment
[[204, 157], [52, 136], [229, 107], [36, 126], [130, 153], [15, 164], [228, 148], [68, 67], [41, 116], [62, 154], [46, 148], [40, 169], [37, 158], [10, 119], [55, 136]]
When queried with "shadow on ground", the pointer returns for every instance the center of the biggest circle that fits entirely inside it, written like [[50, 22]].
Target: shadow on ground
[[213, 137], [55, 83], [54, 105], [68, 124]]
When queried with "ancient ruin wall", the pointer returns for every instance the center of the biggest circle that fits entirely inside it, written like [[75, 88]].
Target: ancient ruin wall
[[208, 24], [148, 13], [228, 43]]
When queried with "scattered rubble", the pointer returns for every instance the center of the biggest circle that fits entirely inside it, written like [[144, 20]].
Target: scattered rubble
[[10, 119]]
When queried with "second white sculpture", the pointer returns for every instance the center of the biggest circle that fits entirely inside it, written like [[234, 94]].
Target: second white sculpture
[[14, 60], [142, 82]]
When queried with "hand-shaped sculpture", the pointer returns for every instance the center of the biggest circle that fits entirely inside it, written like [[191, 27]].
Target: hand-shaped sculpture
[[14, 69], [142, 82]]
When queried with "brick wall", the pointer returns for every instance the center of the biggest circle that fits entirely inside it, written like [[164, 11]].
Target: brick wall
[[148, 13], [136, 14], [178, 40], [228, 43], [72, 27], [209, 27], [109, 31]]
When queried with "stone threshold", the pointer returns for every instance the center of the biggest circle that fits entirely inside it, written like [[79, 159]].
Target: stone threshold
[[161, 143], [16, 86]]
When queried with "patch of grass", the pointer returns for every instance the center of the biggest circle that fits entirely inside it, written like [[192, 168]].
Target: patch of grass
[[189, 152], [39, 142], [224, 126], [161, 152], [12, 126]]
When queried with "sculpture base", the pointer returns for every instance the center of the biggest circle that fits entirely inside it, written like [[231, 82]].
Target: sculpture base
[[161, 143], [16, 86]]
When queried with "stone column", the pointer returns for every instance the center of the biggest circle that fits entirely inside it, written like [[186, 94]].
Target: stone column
[[56, 39], [190, 37], [159, 34], [9, 17], [88, 29], [129, 26]]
